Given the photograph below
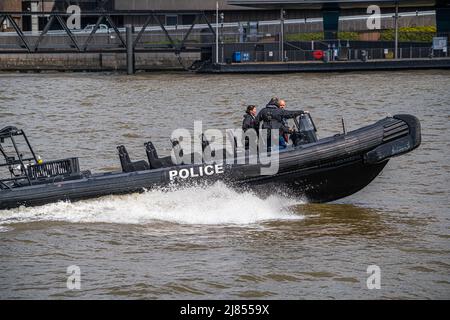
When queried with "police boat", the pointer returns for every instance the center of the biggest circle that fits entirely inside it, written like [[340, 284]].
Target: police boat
[[319, 170]]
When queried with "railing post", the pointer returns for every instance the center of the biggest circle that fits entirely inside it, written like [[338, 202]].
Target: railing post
[[396, 30], [217, 32], [130, 49], [281, 34]]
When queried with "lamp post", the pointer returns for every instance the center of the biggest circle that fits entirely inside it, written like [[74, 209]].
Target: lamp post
[[282, 34], [217, 32], [222, 16], [396, 30]]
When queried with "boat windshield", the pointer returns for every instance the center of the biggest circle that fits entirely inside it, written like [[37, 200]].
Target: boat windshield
[[307, 129], [306, 124]]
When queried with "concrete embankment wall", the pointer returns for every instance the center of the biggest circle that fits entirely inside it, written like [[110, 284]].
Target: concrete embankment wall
[[94, 61]]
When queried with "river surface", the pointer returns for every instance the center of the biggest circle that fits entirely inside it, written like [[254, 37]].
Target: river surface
[[214, 242]]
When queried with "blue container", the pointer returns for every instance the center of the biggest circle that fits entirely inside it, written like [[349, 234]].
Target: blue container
[[237, 56]]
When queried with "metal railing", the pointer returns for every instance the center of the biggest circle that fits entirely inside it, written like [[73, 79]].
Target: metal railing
[[332, 50], [64, 167], [153, 36]]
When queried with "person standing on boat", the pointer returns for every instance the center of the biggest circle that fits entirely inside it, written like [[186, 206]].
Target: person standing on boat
[[275, 117], [250, 122]]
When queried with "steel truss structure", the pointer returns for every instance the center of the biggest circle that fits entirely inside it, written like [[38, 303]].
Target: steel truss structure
[[103, 16]]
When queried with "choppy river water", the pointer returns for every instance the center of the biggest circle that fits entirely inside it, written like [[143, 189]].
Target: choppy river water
[[214, 242]]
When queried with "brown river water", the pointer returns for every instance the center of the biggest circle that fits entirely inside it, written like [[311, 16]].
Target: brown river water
[[214, 242]]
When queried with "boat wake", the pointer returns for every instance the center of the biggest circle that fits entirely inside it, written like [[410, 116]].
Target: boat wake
[[215, 204]]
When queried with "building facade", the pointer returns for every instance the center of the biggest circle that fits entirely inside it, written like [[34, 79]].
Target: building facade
[[11, 5], [181, 12]]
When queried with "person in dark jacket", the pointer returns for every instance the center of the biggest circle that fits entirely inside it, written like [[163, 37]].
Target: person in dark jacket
[[250, 122], [275, 118]]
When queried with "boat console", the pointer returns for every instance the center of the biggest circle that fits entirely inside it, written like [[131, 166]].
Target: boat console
[[306, 130]]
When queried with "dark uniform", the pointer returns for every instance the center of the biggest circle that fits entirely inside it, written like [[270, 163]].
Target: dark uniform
[[275, 118], [249, 122]]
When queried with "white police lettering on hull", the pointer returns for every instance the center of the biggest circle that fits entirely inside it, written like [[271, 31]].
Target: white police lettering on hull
[[207, 170]]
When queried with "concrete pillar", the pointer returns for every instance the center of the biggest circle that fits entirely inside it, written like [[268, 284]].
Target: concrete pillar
[[34, 18]]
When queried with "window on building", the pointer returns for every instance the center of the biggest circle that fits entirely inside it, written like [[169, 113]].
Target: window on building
[[171, 20], [187, 19]]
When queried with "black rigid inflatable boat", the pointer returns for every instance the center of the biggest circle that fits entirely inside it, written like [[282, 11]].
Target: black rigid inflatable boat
[[321, 170]]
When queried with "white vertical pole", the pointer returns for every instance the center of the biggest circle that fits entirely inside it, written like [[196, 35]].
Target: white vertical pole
[[217, 32], [281, 34], [396, 30]]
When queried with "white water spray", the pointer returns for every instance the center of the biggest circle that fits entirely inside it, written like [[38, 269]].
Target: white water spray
[[215, 205]]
